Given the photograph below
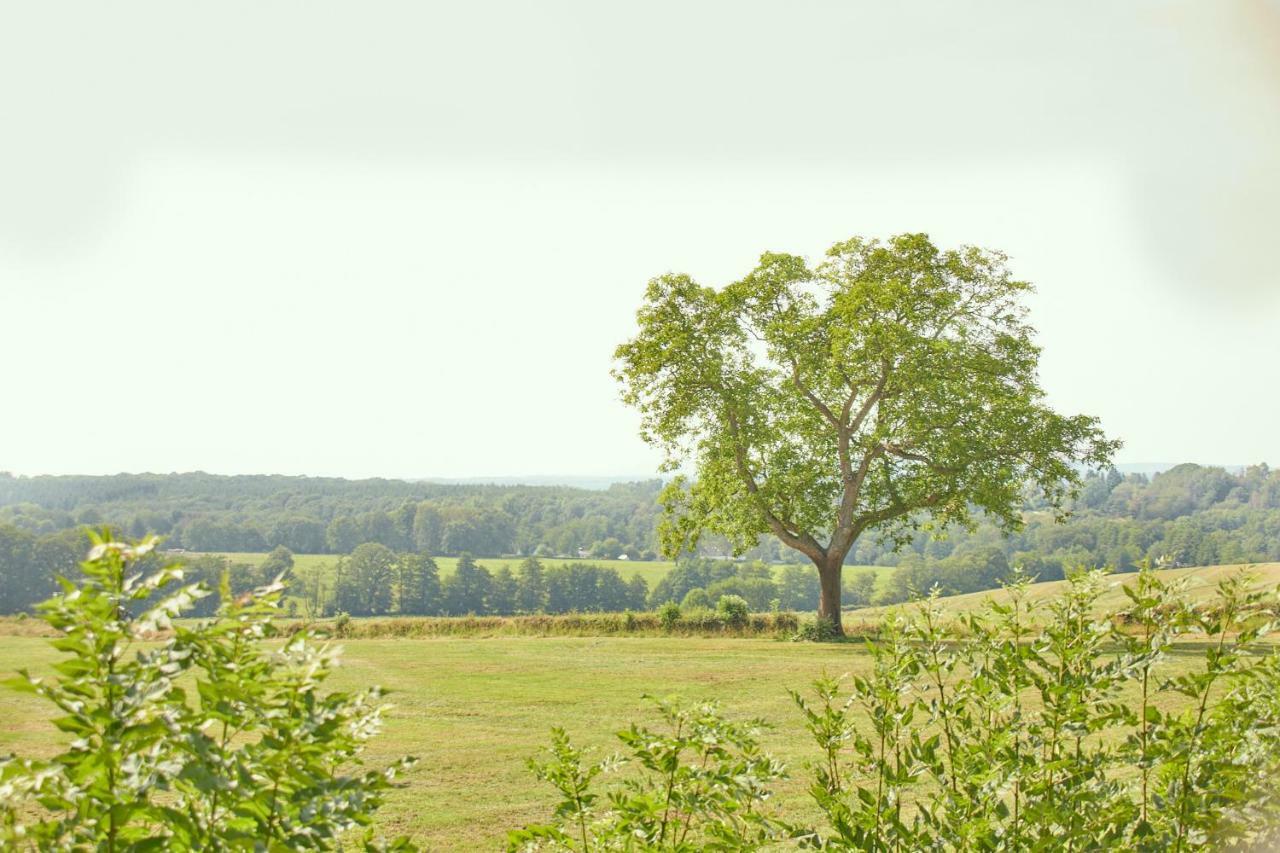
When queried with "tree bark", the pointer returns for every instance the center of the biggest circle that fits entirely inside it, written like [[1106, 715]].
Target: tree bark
[[829, 599]]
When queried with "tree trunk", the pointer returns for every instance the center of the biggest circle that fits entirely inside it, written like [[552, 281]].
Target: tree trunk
[[829, 600]]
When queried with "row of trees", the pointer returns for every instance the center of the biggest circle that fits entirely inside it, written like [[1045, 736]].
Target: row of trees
[[376, 581]]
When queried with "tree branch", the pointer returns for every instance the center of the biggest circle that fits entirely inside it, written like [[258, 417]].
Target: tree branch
[[800, 540], [842, 538], [812, 397]]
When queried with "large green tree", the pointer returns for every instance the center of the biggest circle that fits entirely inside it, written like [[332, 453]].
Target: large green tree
[[892, 385], [364, 581]]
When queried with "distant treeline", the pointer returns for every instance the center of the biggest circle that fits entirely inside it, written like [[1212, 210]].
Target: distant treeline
[[1190, 515], [317, 515]]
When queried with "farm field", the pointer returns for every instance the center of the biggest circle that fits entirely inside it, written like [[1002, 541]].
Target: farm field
[[473, 709]]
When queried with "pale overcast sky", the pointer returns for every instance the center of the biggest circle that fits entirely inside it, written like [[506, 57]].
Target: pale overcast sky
[[402, 239]]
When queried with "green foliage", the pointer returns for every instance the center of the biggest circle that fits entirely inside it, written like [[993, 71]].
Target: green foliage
[[696, 599], [467, 590], [671, 620], [669, 615], [701, 784], [311, 515], [531, 587], [893, 384], [949, 750], [364, 581], [733, 609], [1015, 729], [1189, 515], [417, 585], [205, 738], [817, 630], [859, 589]]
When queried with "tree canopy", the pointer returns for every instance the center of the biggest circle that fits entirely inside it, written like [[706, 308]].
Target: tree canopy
[[891, 385]]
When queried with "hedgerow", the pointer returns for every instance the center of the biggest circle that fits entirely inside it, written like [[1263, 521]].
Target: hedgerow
[[668, 620]]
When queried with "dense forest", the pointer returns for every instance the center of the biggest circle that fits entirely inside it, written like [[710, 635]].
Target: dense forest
[[318, 515], [1189, 515]]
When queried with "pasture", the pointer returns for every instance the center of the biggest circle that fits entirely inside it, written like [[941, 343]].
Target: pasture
[[473, 709]]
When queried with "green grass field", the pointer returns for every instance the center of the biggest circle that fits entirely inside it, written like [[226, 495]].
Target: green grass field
[[473, 709], [1201, 583]]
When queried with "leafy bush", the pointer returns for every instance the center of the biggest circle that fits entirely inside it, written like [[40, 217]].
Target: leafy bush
[[701, 784], [1029, 727], [817, 630], [733, 609], [669, 615], [957, 755], [255, 757], [341, 624], [696, 598], [784, 622]]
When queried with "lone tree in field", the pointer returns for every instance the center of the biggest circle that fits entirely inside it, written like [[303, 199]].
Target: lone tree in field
[[891, 387]]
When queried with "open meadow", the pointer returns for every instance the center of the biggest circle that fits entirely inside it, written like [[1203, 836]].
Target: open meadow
[[473, 709]]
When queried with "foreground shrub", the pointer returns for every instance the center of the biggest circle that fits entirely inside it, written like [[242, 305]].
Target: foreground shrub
[[701, 785], [1014, 729], [255, 758]]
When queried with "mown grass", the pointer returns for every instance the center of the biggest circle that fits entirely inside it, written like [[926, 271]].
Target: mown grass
[[474, 709]]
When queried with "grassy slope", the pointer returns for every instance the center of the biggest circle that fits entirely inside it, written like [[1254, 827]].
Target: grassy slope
[[1200, 585]]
